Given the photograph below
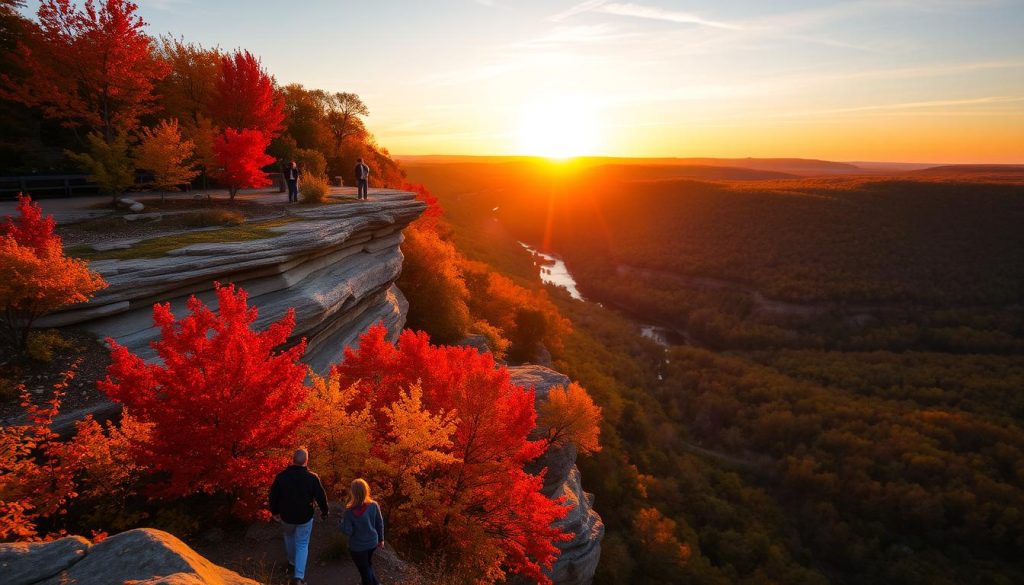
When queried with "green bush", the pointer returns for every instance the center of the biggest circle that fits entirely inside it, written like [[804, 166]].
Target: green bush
[[41, 345], [314, 189]]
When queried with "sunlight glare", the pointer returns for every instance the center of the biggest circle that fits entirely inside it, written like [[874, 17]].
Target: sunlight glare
[[558, 128]]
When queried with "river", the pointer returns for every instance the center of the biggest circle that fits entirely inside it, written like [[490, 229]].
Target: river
[[554, 271]]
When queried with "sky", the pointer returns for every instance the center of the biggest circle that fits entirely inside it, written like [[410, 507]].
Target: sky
[[880, 80]]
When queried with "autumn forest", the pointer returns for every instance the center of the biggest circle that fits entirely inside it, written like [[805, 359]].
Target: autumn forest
[[779, 370]]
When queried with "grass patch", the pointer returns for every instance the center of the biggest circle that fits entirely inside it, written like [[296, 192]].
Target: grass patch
[[210, 217], [159, 247]]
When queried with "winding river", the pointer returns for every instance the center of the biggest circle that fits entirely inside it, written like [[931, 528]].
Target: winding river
[[554, 271]]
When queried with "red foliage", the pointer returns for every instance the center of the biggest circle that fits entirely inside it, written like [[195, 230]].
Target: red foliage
[[493, 514], [241, 156], [244, 96], [34, 484], [31, 229], [222, 404], [90, 65], [432, 216]]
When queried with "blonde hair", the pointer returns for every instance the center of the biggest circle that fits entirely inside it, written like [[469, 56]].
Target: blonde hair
[[358, 493]]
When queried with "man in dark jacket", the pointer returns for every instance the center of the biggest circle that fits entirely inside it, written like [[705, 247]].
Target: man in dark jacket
[[362, 179], [292, 176], [292, 496]]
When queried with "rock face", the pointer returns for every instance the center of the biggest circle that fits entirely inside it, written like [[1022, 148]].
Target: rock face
[[335, 264], [144, 555], [579, 557]]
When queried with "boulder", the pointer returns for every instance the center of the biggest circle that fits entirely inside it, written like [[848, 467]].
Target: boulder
[[145, 555], [579, 555], [136, 207], [24, 563], [137, 556]]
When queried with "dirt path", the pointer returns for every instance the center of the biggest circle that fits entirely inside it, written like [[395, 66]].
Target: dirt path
[[259, 554]]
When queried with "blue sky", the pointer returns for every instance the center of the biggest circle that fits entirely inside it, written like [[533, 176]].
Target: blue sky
[[919, 80]]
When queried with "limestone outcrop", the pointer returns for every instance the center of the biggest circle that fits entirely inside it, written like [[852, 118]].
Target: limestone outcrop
[[579, 557], [335, 264], [144, 555]]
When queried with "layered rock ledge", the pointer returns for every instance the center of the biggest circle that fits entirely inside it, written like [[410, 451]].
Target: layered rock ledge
[[579, 556], [335, 264]]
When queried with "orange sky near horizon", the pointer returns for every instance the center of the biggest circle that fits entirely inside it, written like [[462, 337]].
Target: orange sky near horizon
[[930, 81]]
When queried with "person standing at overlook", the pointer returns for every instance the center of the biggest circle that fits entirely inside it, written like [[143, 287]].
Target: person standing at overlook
[[292, 496], [292, 176], [362, 179]]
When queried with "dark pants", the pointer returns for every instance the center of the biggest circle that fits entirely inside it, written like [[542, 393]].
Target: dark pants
[[364, 562], [293, 190], [363, 185]]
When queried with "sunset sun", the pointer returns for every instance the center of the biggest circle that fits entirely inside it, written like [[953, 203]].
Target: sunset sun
[[557, 128]]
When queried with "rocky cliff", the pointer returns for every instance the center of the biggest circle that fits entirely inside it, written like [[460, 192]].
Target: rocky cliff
[[335, 264], [579, 557], [143, 556]]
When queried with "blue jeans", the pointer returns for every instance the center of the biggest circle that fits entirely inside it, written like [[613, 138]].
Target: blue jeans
[[364, 562], [293, 190], [296, 544], [362, 188]]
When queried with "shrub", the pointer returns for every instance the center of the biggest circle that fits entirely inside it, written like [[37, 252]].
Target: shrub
[[311, 162], [36, 277], [314, 189], [211, 217], [41, 344]]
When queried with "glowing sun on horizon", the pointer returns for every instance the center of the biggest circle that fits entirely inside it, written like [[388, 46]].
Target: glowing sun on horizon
[[558, 128]]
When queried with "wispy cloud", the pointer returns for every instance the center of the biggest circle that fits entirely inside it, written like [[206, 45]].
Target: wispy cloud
[[642, 11], [1002, 99]]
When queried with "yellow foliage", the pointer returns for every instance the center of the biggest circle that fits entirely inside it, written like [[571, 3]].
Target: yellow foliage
[[570, 416], [165, 153], [339, 441]]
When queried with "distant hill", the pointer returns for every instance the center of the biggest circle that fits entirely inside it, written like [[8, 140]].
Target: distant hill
[[787, 166], [973, 170]]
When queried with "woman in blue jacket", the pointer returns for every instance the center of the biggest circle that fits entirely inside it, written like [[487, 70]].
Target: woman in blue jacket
[[364, 526]]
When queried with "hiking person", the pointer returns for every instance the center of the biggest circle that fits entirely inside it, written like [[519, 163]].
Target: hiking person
[[292, 176], [364, 526], [362, 179], [292, 496]]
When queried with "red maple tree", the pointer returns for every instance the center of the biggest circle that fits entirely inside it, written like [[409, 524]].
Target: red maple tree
[[241, 156], [493, 516], [223, 403], [88, 65], [244, 96], [31, 229], [36, 277]]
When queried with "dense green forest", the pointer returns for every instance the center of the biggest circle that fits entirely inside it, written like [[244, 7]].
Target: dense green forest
[[874, 439], [841, 262]]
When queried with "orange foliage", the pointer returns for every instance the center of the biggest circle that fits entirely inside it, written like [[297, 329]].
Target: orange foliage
[[656, 536], [526, 317], [570, 416], [36, 277], [431, 278], [461, 429], [33, 482]]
